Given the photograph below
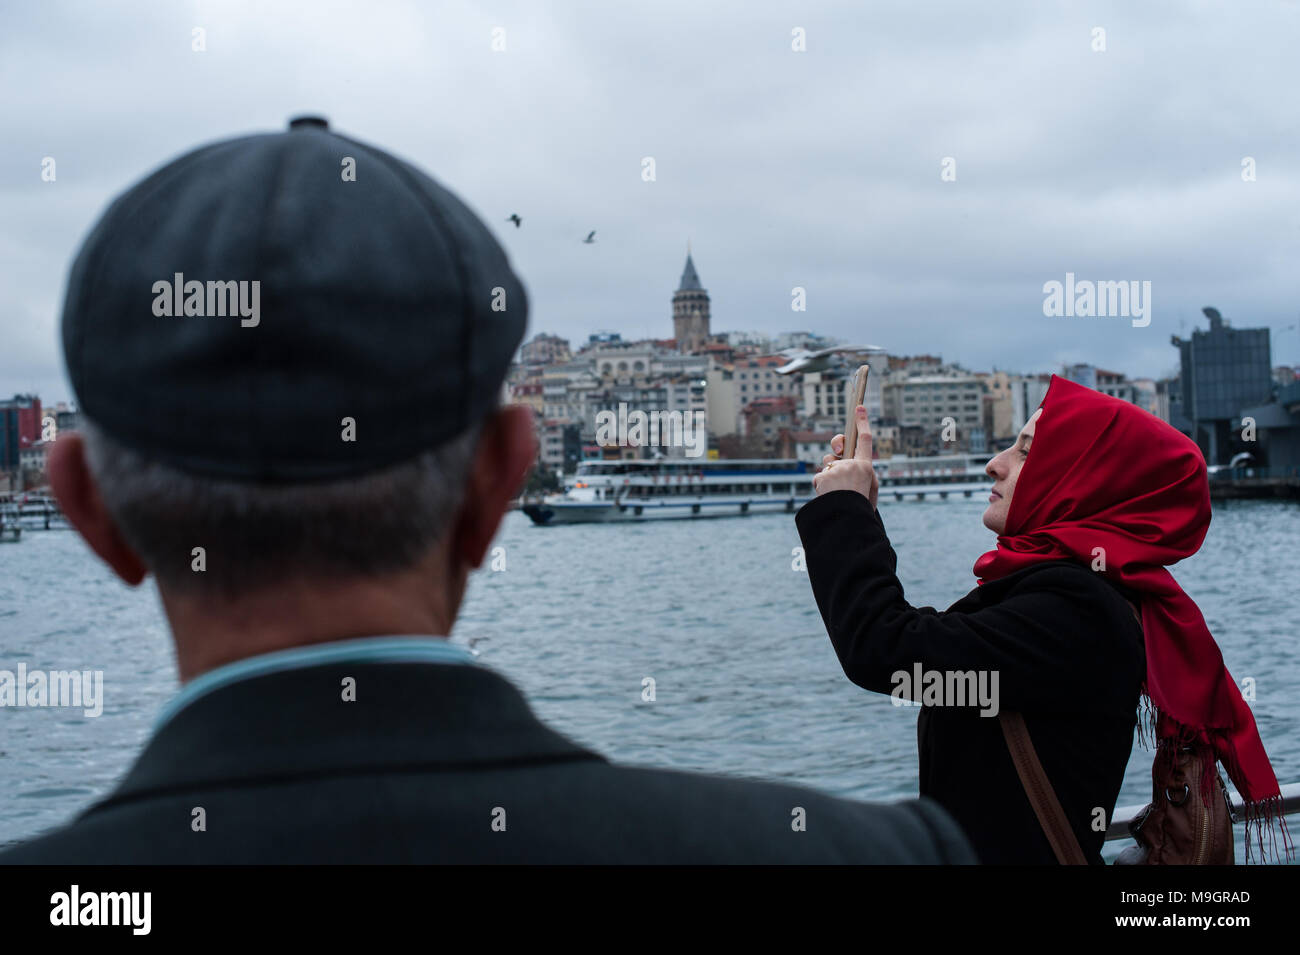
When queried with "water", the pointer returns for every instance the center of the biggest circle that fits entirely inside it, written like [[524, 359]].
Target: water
[[746, 680]]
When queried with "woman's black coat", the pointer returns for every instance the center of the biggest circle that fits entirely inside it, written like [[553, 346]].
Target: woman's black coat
[[1065, 645]]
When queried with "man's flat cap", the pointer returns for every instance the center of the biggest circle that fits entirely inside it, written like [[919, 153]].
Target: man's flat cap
[[289, 307]]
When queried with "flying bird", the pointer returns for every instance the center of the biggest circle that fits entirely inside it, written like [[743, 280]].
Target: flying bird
[[516, 220], [591, 237], [805, 362]]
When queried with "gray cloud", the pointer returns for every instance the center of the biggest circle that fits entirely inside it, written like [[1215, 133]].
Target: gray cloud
[[817, 169]]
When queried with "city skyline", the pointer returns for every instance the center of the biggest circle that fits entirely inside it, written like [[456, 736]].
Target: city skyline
[[690, 293]]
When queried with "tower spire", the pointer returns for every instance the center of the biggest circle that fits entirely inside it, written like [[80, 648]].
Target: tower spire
[[690, 309], [690, 278]]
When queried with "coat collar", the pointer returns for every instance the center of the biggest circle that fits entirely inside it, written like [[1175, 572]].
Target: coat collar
[[296, 723]]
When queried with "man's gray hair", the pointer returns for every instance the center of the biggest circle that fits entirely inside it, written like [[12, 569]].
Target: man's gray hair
[[260, 535]]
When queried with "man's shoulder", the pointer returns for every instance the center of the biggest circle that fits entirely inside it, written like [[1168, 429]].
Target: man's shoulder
[[446, 763], [765, 818], [575, 812]]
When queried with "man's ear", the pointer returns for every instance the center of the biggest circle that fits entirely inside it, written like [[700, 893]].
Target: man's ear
[[506, 451], [81, 504]]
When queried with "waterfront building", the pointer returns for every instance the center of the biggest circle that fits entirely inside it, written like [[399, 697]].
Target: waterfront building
[[620, 360], [825, 397], [1223, 370], [667, 363], [1027, 393], [999, 407], [757, 378], [544, 349], [66, 417], [528, 393], [723, 398], [1276, 425], [20, 427], [1142, 392], [1146, 395], [1112, 383], [687, 394], [926, 400], [757, 341], [764, 419], [565, 388], [31, 460], [733, 385], [559, 445], [807, 446]]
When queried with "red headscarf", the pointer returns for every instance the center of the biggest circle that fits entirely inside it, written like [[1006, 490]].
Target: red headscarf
[[1103, 473]]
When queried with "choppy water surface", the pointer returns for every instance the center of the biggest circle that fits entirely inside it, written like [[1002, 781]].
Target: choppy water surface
[[746, 680]]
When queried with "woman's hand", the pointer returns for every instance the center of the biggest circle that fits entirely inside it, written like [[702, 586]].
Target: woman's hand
[[855, 474]]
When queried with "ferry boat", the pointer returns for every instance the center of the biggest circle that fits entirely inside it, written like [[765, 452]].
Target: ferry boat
[[31, 511], [606, 491]]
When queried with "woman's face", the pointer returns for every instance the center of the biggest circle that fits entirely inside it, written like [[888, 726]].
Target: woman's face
[[1005, 469]]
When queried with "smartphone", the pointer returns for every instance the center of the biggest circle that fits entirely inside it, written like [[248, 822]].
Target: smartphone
[[851, 425]]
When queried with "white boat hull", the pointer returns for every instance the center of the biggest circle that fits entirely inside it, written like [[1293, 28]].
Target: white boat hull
[[607, 492], [607, 512]]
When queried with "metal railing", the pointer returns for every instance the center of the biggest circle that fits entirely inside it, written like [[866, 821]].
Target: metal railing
[[1125, 815], [1241, 473]]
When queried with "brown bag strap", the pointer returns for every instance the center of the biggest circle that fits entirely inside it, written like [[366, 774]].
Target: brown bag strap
[[1039, 790], [1137, 614]]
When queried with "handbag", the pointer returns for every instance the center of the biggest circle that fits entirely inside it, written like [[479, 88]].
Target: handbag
[[1175, 828]]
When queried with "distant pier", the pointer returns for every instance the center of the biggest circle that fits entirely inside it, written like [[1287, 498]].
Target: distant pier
[[1283, 482]]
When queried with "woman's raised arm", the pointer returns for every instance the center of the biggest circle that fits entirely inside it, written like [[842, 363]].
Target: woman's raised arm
[[1059, 628]]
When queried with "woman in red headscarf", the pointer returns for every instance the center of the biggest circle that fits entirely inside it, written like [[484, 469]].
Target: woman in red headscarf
[[1095, 499]]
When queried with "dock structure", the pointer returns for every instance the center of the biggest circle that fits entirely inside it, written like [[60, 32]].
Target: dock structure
[[1256, 483]]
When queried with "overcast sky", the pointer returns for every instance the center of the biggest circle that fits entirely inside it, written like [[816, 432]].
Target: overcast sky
[[819, 169]]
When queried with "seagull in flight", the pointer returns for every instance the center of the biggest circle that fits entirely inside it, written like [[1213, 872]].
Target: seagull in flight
[[591, 237], [516, 220], [804, 361]]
